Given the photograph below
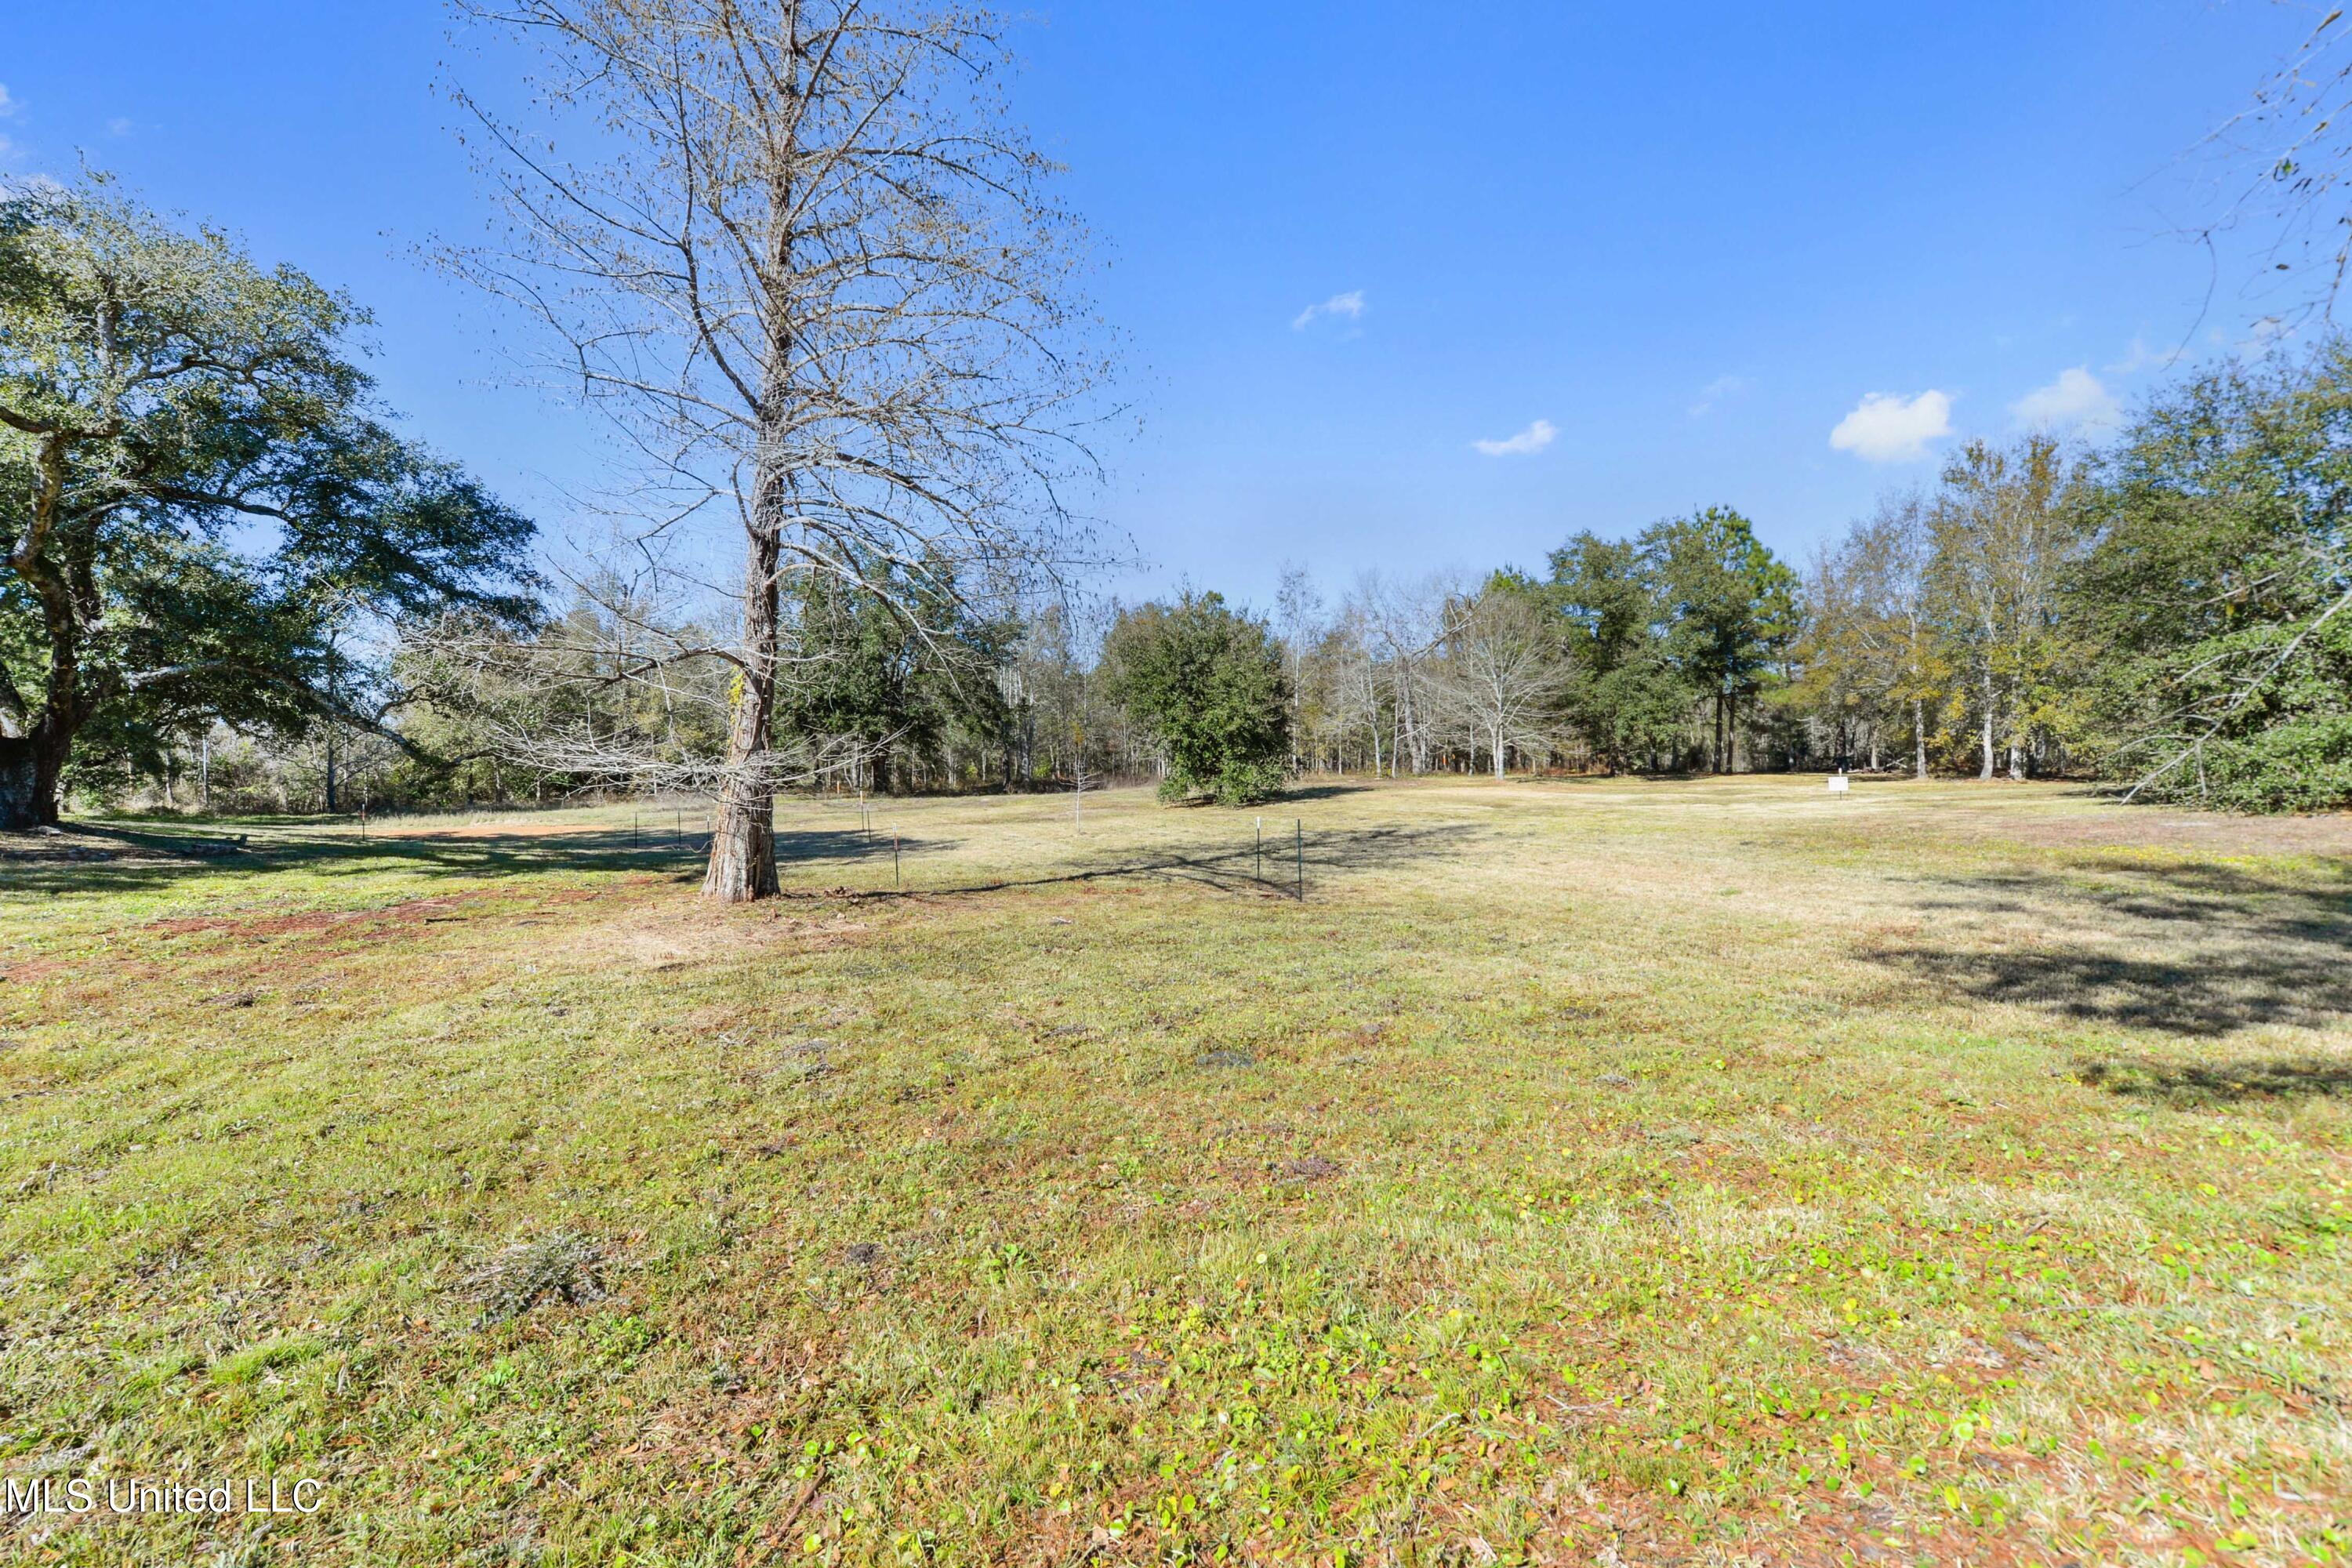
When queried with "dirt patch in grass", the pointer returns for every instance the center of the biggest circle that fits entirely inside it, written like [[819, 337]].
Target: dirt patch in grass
[[670, 935], [386, 920]]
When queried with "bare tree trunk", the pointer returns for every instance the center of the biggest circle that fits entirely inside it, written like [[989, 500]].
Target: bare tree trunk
[[743, 845], [743, 840], [1984, 770], [1918, 738], [1399, 712], [1498, 754]]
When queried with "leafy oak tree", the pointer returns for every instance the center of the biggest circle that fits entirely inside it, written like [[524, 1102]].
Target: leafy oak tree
[[198, 497]]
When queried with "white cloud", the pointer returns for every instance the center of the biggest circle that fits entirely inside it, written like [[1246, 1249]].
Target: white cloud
[[1349, 304], [2141, 357], [2076, 401], [8, 104], [118, 126], [1885, 427], [1534, 438], [1721, 389]]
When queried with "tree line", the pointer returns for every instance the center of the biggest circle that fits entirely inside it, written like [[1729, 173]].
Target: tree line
[[2172, 615], [831, 307]]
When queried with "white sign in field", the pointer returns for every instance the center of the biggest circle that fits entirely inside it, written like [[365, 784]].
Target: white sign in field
[[1838, 783]]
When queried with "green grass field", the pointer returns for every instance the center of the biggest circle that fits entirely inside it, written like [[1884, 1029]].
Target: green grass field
[[1585, 1171]]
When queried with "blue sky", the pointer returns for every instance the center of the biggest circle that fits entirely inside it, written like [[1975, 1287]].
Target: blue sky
[[1651, 257]]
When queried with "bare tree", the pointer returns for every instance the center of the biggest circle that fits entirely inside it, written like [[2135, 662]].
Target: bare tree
[[1299, 623], [625, 687], [1346, 665], [1504, 673], [1403, 624], [795, 251]]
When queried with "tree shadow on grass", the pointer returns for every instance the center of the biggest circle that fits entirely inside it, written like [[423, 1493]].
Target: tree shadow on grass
[[144, 858], [2219, 1083], [107, 857], [1276, 871], [2181, 948]]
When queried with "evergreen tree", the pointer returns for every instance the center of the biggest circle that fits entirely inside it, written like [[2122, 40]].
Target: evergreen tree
[[1206, 682], [1731, 611], [1624, 699]]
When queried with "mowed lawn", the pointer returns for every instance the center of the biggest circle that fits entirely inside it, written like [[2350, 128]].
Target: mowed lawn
[[1585, 1171]]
